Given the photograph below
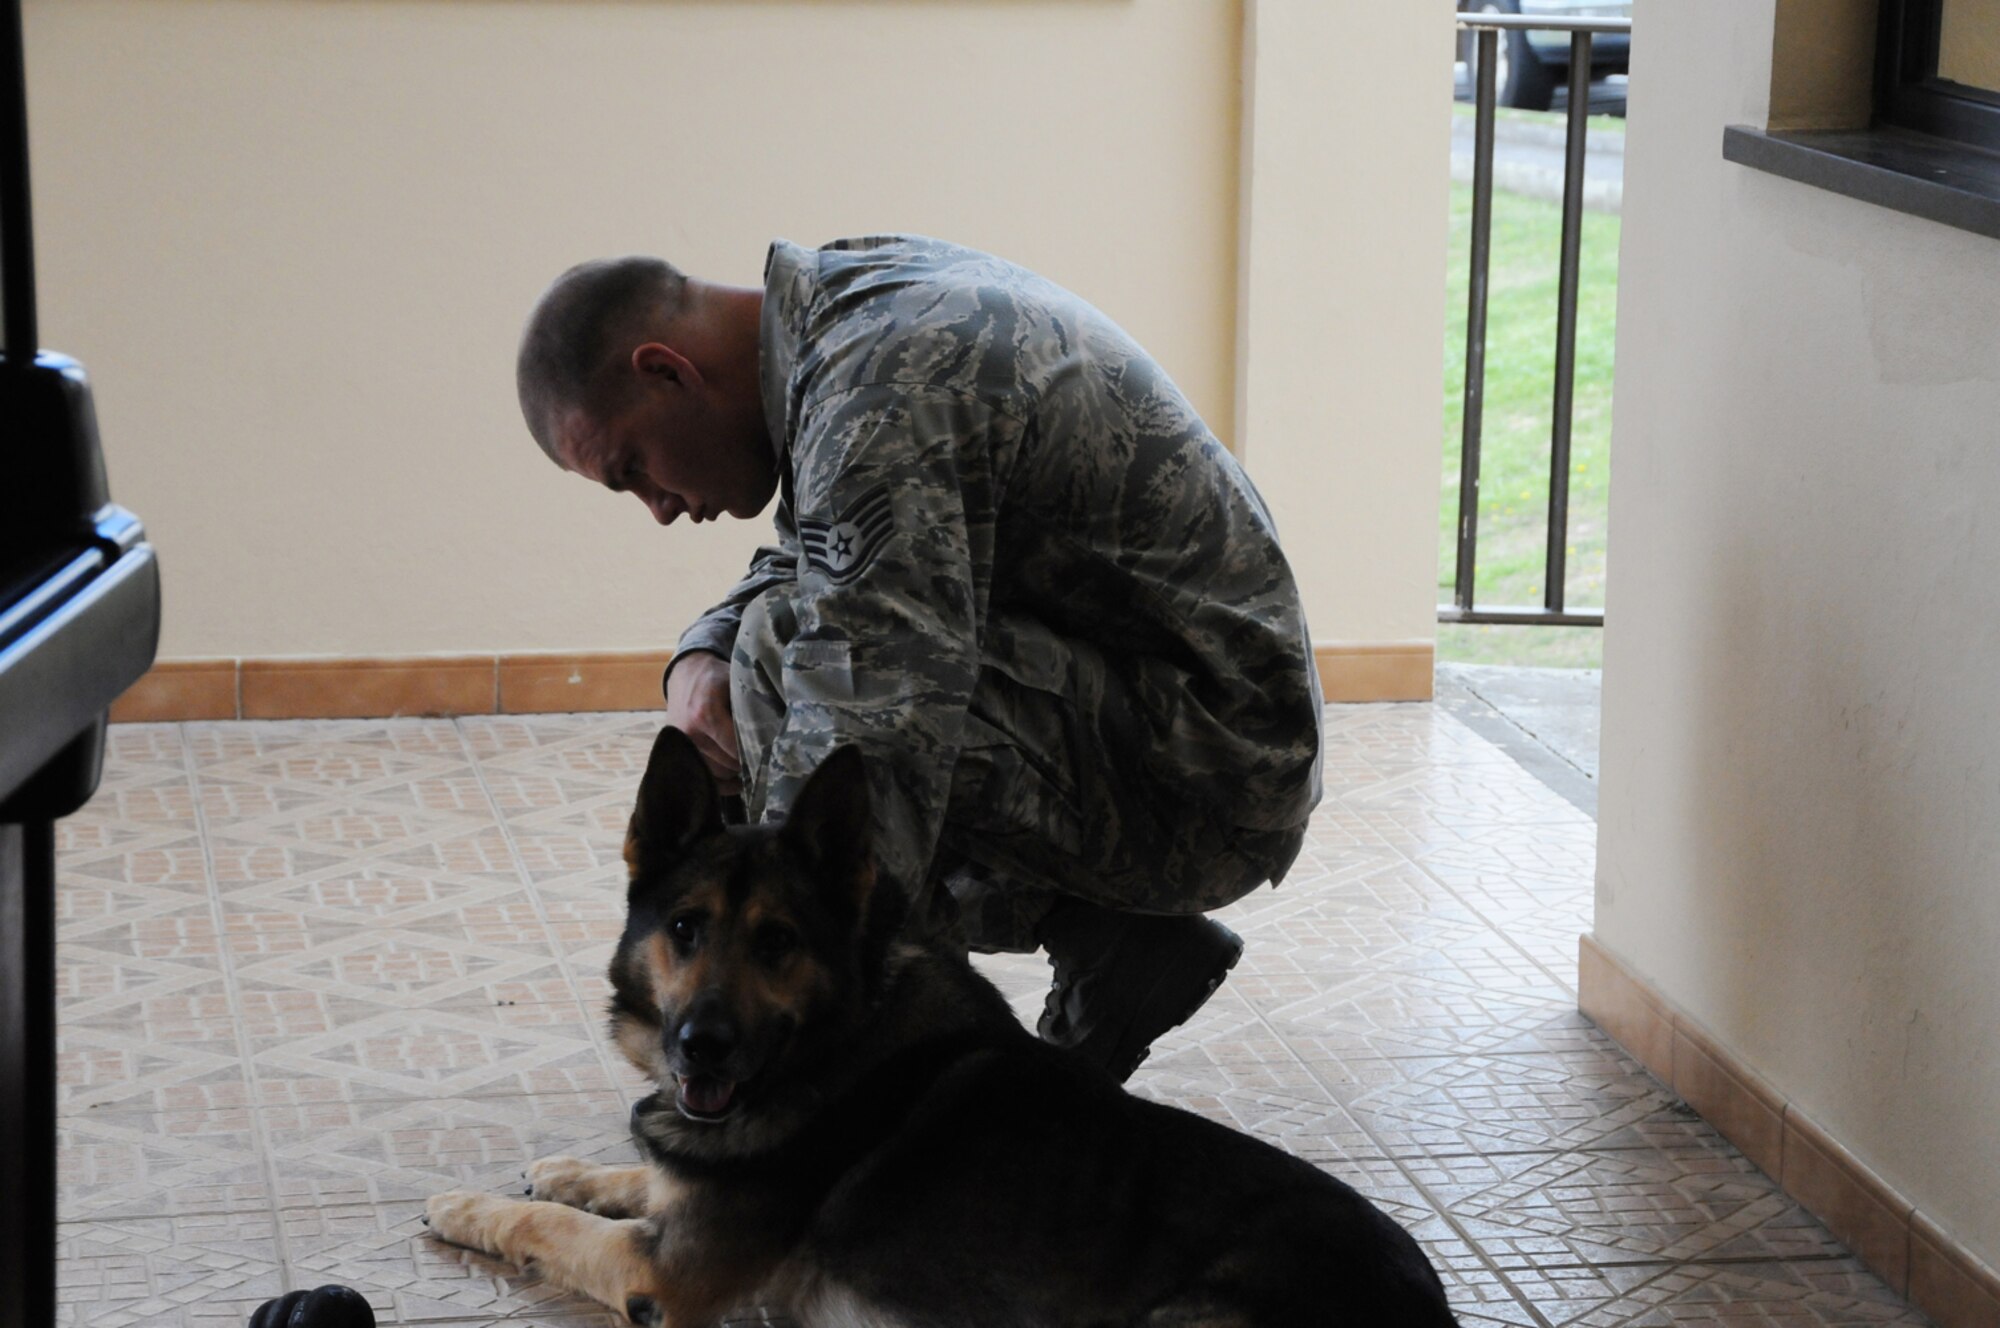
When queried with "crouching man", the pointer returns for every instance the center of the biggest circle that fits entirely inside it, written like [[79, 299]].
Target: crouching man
[[1012, 564]]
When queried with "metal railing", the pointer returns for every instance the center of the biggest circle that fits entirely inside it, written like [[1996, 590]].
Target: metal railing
[[1486, 29]]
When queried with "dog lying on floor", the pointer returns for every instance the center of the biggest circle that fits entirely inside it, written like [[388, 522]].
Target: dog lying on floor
[[852, 1128]]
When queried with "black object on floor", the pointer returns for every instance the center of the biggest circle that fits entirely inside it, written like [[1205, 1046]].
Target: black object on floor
[[322, 1307]]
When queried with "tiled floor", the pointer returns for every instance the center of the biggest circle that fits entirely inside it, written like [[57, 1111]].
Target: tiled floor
[[313, 972]]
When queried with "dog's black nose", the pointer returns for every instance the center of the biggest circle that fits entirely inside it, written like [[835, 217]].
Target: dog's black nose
[[706, 1040]]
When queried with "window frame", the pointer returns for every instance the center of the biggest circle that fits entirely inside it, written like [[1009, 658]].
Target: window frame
[[1908, 92]]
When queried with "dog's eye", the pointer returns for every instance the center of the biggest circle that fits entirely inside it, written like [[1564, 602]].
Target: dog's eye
[[774, 943], [686, 931]]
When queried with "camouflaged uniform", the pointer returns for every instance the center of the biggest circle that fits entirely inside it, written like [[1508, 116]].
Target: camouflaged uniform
[[1018, 571]]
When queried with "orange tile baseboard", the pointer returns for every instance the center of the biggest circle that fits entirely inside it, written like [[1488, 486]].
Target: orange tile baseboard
[[1377, 671], [1903, 1246], [181, 689], [537, 684], [199, 689], [366, 688], [195, 689]]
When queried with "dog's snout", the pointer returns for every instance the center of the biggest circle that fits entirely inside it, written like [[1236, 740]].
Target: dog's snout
[[707, 1038]]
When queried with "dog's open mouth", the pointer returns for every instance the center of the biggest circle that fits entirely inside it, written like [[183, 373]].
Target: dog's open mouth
[[705, 1097]]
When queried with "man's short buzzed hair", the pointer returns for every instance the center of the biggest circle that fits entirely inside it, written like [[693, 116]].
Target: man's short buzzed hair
[[582, 328]]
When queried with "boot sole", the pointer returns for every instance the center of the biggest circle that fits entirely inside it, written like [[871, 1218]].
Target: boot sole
[[1232, 945]]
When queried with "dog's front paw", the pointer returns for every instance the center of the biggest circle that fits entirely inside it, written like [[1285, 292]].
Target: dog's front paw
[[466, 1218], [563, 1180]]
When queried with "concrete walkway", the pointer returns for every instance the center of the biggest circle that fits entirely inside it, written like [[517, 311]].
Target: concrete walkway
[[1546, 719]]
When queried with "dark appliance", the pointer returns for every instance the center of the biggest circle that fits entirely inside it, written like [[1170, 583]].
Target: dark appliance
[[79, 623]]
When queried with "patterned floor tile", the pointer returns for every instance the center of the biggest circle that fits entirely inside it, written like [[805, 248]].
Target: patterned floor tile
[[302, 917], [589, 962], [502, 956], [1482, 1296], [164, 1029], [352, 830], [138, 746], [313, 972], [375, 1153], [585, 914], [1530, 1101], [129, 802], [351, 770], [111, 962], [160, 1164], [570, 856], [84, 904], [410, 1276], [1743, 1295], [1330, 922], [171, 858], [1277, 1101], [221, 742], [482, 854], [316, 1049], [598, 812], [608, 753], [494, 739], [98, 1068], [1675, 1205], [1328, 937], [1512, 860], [209, 1269], [1408, 1014], [1478, 1293]]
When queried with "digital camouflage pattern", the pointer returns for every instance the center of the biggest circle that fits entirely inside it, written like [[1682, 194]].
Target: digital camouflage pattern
[[1017, 570]]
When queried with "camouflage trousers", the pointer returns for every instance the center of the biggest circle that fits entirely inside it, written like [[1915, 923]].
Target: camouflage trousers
[[1040, 809]]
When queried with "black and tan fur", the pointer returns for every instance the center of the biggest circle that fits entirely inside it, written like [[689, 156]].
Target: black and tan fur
[[853, 1129]]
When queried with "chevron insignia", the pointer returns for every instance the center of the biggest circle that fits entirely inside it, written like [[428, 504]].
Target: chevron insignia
[[842, 547]]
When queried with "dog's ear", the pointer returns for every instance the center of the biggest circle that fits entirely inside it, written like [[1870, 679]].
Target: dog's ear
[[677, 805], [830, 826]]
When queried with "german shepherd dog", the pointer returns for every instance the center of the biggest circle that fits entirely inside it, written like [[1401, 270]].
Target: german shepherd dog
[[852, 1129]]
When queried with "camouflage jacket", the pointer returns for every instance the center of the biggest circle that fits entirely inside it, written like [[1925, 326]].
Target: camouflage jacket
[[977, 467]]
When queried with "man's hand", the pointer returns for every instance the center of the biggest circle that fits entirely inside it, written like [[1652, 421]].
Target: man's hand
[[698, 705]]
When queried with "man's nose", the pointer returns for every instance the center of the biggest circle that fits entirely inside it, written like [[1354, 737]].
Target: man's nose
[[665, 507]]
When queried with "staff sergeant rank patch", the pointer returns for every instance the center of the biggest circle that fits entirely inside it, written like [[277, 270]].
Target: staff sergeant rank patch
[[842, 547]]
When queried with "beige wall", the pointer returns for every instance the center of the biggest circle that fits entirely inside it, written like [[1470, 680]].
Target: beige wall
[[1346, 206], [294, 242], [1800, 801]]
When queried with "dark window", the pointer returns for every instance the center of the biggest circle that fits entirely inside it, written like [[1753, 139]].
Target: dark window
[[1938, 69]]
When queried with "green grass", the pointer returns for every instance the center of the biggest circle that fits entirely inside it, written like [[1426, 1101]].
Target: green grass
[[1520, 377]]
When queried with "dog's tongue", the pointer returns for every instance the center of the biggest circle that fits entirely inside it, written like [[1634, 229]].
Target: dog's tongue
[[707, 1095]]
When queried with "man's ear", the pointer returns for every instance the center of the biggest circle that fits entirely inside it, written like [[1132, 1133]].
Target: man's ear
[[830, 826], [655, 360], [677, 805]]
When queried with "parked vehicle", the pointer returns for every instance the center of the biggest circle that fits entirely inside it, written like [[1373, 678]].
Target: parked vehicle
[[1532, 64]]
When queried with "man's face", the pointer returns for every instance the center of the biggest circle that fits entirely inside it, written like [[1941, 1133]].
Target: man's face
[[674, 452]]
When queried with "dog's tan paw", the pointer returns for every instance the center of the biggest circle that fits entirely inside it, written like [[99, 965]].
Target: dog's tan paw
[[563, 1180], [466, 1218]]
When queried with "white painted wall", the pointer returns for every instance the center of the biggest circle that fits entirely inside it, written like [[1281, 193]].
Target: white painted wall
[[1800, 802], [1346, 200], [294, 244]]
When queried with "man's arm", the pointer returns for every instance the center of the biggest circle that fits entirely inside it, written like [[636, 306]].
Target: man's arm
[[696, 683], [896, 506], [697, 690], [715, 631]]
